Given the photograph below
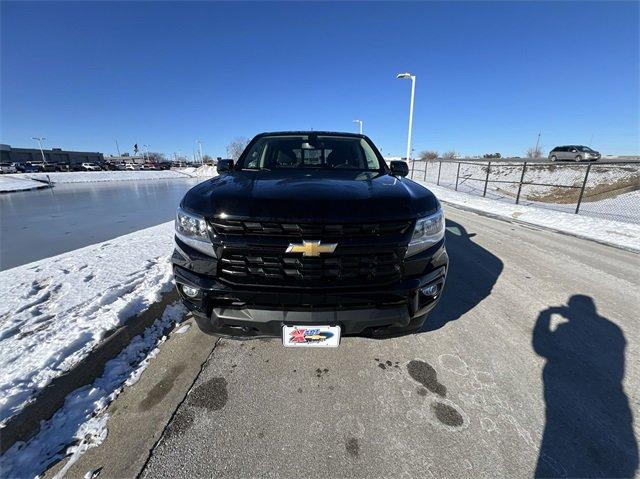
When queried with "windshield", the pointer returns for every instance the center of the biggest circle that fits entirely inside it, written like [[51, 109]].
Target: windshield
[[310, 151]]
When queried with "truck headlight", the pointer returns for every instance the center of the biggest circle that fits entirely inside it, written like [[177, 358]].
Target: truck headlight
[[428, 231], [193, 230]]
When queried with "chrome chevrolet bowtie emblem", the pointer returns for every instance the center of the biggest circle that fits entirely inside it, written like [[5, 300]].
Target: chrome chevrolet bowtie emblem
[[311, 248]]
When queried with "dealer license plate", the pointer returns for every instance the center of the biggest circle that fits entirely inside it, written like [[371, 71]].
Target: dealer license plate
[[311, 336]]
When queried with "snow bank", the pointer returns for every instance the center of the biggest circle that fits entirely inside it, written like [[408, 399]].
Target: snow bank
[[204, 171], [609, 190], [615, 233], [54, 311], [82, 420], [100, 176], [14, 183]]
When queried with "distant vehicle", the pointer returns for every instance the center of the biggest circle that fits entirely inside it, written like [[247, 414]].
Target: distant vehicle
[[62, 167], [7, 168], [121, 166], [109, 166], [44, 167], [573, 153], [164, 165], [26, 168], [149, 166], [131, 166], [90, 167]]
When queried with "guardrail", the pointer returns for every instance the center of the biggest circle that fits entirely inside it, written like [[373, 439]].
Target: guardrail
[[606, 190]]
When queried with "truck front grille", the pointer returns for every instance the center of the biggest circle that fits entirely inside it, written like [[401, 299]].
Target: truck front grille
[[298, 230], [273, 269]]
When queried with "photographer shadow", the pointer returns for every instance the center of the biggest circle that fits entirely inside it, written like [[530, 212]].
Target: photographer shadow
[[589, 423], [473, 271]]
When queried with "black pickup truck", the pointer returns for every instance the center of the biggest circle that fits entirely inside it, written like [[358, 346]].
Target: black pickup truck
[[310, 236]]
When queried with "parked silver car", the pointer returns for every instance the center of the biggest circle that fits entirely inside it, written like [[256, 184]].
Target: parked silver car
[[8, 168], [573, 153]]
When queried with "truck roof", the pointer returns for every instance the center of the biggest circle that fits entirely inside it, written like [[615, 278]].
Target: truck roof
[[308, 132]]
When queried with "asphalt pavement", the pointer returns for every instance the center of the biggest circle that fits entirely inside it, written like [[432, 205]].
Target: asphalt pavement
[[529, 366]]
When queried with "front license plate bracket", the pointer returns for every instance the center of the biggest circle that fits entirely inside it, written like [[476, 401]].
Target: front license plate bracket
[[311, 336]]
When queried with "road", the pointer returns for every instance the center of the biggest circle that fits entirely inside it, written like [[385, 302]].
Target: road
[[529, 366]]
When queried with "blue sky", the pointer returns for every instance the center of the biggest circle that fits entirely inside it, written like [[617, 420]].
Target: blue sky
[[489, 75]]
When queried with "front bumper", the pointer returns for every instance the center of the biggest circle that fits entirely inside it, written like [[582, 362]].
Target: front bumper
[[255, 311]]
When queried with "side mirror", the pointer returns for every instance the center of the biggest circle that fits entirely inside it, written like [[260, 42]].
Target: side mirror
[[224, 165], [399, 168]]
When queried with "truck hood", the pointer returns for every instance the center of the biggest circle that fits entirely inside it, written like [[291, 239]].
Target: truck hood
[[313, 195]]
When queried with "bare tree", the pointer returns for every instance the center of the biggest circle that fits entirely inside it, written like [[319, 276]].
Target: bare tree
[[428, 155], [449, 155], [156, 157], [236, 147], [534, 152]]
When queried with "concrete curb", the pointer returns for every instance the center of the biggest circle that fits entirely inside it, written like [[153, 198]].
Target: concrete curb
[[26, 423]]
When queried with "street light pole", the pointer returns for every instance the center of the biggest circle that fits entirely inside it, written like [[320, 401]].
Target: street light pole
[[40, 139], [360, 123], [146, 149], [200, 150], [403, 76]]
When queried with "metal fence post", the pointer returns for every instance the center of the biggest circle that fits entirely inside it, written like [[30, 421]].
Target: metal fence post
[[524, 168], [439, 169], [486, 180], [426, 163], [457, 176], [584, 183]]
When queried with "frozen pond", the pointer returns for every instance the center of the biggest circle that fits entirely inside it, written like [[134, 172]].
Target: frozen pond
[[42, 223]]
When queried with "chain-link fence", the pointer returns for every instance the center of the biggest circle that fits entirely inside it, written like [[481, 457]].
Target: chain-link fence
[[604, 190]]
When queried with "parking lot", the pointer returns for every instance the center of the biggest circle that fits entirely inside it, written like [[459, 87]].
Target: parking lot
[[529, 366]]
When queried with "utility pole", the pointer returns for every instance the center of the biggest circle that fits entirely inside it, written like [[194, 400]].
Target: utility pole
[[117, 148], [40, 139], [360, 123], [200, 150], [538, 141], [409, 76]]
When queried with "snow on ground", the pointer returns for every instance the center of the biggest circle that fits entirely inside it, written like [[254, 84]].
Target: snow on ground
[[54, 311], [14, 183], [569, 174], [616, 233], [81, 421], [100, 176], [205, 171]]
